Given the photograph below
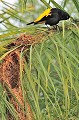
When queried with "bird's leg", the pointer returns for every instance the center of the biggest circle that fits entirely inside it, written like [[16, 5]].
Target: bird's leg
[[47, 27], [56, 27]]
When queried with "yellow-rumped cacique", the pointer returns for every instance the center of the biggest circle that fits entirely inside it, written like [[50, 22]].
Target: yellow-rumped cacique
[[51, 17]]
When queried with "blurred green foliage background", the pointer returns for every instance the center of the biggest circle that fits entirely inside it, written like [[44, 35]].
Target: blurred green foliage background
[[51, 78]]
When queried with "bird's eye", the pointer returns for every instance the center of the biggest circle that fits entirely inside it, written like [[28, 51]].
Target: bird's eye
[[68, 16]]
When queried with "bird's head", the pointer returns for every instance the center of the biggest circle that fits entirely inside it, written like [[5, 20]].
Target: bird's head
[[64, 15]]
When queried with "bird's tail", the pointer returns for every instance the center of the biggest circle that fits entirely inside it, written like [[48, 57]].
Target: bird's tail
[[30, 23]]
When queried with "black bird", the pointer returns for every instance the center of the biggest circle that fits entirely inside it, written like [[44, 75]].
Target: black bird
[[51, 17]]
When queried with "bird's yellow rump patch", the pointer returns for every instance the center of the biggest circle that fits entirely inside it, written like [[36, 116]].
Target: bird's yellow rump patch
[[45, 13]]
